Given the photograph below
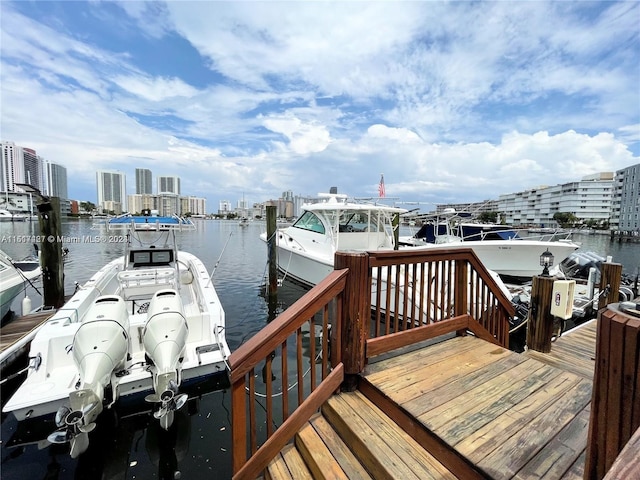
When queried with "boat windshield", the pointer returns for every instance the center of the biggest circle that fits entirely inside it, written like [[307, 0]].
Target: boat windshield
[[310, 221]]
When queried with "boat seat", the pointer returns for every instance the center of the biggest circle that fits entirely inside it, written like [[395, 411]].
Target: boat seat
[[141, 283]]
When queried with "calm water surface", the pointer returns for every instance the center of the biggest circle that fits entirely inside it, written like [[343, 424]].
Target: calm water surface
[[132, 446]]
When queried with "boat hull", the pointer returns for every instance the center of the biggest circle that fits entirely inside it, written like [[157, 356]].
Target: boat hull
[[511, 258]]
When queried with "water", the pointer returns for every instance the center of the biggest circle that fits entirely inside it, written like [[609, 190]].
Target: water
[[129, 446], [132, 446]]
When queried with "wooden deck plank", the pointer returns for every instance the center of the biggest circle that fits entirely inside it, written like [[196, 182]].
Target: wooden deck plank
[[345, 457], [558, 456], [277, 468], [375, 456], [478, 407], [424, 398], [515, 451], [407, 385], [575, 351], [295, 463], [413, 359], [483, 441], [576, 472], [421, 461]]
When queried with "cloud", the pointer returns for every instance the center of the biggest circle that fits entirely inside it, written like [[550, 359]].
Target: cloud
[[452, 101]]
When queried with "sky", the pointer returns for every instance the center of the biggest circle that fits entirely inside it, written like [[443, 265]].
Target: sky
[[450, 101]]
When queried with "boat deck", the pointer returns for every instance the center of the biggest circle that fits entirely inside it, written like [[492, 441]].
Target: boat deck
[[460, 408], [21, 326]]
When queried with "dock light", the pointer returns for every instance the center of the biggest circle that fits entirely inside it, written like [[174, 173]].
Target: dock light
[[546, 260]]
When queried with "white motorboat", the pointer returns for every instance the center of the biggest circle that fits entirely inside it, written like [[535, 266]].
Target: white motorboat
[[498, 247], [14, 277], [306, 249], [149, 322]]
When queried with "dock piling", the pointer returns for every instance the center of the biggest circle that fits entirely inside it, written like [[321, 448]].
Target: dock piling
[[540, 325]]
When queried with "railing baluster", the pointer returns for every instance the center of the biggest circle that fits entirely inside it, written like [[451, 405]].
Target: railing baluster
[[378, 285], [299, 365], [312, 353], [252, 411], [285, 381], [325, 342], [269, 395]]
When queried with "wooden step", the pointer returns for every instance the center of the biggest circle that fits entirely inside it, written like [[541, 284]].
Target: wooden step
[[288, 464], [383, 448], [352, 438]]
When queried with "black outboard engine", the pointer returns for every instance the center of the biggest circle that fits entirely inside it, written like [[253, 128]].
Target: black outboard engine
[[578, 264]]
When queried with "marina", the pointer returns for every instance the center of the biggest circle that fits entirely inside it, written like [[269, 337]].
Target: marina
[[241, 269]]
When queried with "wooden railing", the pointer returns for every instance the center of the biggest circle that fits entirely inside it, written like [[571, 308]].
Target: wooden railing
[[615, 404], [299, 337], [373, 302], [421, 294]]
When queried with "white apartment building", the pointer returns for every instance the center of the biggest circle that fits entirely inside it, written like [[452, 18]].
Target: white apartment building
[[21, 165], [138, 202], [193, 205], [588, 199]]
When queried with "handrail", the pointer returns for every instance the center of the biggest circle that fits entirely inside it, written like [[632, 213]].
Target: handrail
[[427, 286], [282, 421], [351, 338]]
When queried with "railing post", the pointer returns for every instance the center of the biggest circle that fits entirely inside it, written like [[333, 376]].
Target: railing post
[[610, 278], [460, 294], [238, 424], [540, 325], [615, 402], [356, 314]]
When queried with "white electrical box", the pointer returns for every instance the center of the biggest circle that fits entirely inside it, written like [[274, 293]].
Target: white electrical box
[[562, 298]]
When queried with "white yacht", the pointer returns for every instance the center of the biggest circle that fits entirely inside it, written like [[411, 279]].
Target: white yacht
[[306, 249], [14, 277], [499, 248]]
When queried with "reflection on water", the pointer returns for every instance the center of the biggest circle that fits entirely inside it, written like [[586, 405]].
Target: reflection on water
[[129, 444]]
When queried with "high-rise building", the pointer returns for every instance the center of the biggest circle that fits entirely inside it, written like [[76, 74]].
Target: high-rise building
[[56, 180], [111, 190], [625, 215], [169, 184], [21, 165], [143, 181]]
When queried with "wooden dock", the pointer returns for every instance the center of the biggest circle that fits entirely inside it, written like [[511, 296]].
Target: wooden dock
[[441, 397], [462, 408], [574, 351]]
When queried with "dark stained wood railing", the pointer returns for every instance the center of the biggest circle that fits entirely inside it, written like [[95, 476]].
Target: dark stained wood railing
[[615, 404], [433, 292], [300, 338]]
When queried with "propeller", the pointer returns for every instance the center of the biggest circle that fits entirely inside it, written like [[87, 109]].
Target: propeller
[[72, 429], [169, 399]]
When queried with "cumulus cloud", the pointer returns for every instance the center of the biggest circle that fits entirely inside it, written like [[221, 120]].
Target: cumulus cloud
[[452, 101]]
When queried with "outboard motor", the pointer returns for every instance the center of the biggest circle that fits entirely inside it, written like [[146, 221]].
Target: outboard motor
[[578, 264], [100, 349], [165, 337]]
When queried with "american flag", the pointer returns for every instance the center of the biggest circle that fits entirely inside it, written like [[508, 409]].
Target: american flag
[[381, 187]]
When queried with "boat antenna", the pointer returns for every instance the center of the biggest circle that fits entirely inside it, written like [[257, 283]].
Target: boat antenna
[[219, 258]]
